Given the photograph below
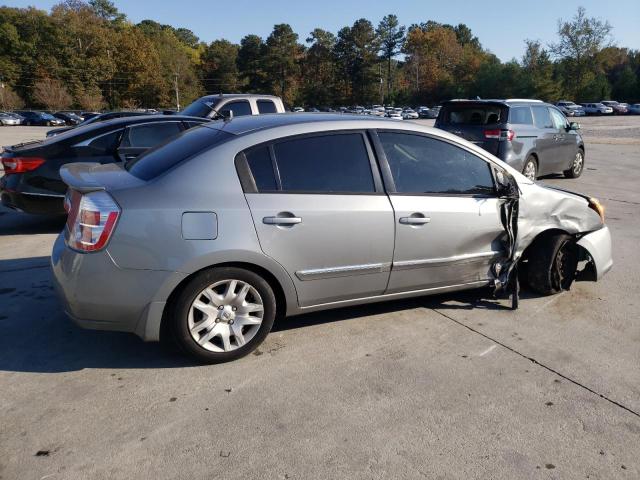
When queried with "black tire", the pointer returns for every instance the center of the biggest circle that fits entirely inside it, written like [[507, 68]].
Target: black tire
[[180, 312], [553, 260], [577, 167], [530, 164]]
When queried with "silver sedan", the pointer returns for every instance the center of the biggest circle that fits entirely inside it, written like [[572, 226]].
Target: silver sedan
[[209, 237]]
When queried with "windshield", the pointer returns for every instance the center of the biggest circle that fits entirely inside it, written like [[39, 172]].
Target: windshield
[[199, 108]]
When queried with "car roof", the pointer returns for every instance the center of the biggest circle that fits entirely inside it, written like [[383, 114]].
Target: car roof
[[236, 95], [496, 101]]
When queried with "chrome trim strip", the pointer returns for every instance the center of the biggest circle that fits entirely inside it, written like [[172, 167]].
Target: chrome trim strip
[[396, 295], [469, 257], [43, 194], [333, 272]]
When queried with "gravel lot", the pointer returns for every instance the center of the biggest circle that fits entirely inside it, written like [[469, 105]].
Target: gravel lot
[[441, 387]]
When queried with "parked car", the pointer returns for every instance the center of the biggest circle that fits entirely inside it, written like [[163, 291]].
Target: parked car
[[596, 109], [88, 115], [297, 109], [39, 118], [618, 108], [570, 109], [394, 114], [6, 119], [429, 112], [533, 137], [102, 117], [210, 237], [423, 112], [634, 109], [236, 104], [409, 114], [31, 181], [69, 118]]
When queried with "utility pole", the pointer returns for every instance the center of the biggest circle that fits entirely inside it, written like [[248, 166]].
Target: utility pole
[[381, 83], [175, 84]]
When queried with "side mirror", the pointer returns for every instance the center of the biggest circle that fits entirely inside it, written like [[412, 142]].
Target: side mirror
[[574, 126]]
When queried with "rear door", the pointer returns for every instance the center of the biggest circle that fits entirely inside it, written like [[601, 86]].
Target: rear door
[[320, 211], [478, 122], [447, 214]]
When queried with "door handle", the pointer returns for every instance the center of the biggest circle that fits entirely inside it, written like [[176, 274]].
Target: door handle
[[414, 220], [281, 220]]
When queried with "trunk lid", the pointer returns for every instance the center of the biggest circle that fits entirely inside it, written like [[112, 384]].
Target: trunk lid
[[89, 177]]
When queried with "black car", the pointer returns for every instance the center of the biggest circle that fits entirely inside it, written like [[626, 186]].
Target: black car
[[533, 137], [39, 118], [31, 181], [101, 117], [69, 118]]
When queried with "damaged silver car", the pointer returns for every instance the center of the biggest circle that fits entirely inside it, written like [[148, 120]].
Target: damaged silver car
[[206, 239]]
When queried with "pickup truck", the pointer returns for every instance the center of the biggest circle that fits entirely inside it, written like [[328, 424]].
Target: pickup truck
[[212, 106]]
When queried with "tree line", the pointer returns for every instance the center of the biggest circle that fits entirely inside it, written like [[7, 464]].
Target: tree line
[[88, 55]]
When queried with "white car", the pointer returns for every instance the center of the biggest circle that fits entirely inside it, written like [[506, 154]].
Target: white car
[[394, 114], [409, 114], [297, 109], [596, 109]]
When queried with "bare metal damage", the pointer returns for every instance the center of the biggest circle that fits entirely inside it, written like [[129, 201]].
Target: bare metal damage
[[531, 209]]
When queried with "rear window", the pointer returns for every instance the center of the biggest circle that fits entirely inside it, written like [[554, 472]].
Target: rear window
[[521, 116], [167, 155], [266, 106], [472, 114]]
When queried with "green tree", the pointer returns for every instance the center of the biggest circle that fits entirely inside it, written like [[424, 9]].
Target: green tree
[[580, 40], [281, 61], [106, 10], [250, 63], [219, 68], [319, 69], [391, 37], [539, 81]]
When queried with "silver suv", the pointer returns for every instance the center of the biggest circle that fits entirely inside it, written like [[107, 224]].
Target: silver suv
[[209, 237]]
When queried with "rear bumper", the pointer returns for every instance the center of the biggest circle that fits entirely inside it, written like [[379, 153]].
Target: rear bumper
[[39, 204], [598, 245], [97, 294]]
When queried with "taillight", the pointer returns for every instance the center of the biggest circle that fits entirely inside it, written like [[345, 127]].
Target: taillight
[[498, 134], [20, 164], [91, 221]]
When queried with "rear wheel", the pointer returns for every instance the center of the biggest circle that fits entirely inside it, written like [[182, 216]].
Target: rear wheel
[[223, 314], [553, 260], [577, 166], [530, 169]]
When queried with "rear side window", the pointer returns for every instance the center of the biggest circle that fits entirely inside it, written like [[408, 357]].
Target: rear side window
[[150, 135], [166, 155], [266, 106], [423, 165], [259, 161], [541, 117], [238, 108], [106, 143], [472, 114], [521, 116], [336, 163]]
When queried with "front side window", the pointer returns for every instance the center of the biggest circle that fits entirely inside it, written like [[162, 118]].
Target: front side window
[[335, 163], [150, 135], [559, 120], [238, 108], [542, 117], [424, 165], [266, 106]]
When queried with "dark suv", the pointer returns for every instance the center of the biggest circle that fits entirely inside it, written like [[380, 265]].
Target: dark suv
[[532, 136]]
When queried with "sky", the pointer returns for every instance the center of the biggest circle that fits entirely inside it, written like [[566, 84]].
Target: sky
[[502, 27]]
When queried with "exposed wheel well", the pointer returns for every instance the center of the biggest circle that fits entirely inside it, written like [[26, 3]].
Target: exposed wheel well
[[281, 301], [541, 236]]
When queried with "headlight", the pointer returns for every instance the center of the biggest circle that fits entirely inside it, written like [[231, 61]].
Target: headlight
[[596, 206]]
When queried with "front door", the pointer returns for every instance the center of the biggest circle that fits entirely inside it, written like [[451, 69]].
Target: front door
[[320, 212], [447, 216], [566, 147], [547, 139]]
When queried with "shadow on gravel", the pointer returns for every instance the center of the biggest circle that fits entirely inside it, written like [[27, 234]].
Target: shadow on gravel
[[17, 223], [37, 336]]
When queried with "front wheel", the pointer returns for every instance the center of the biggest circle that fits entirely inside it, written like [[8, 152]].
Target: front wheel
[[223, 314], [576, 167], [552, 265]]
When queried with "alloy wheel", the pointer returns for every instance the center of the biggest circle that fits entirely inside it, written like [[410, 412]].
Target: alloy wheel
[[530, 170], [578, 164], [225, 315]]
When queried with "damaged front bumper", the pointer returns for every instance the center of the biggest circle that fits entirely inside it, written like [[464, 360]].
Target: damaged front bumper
[[598, 245]]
